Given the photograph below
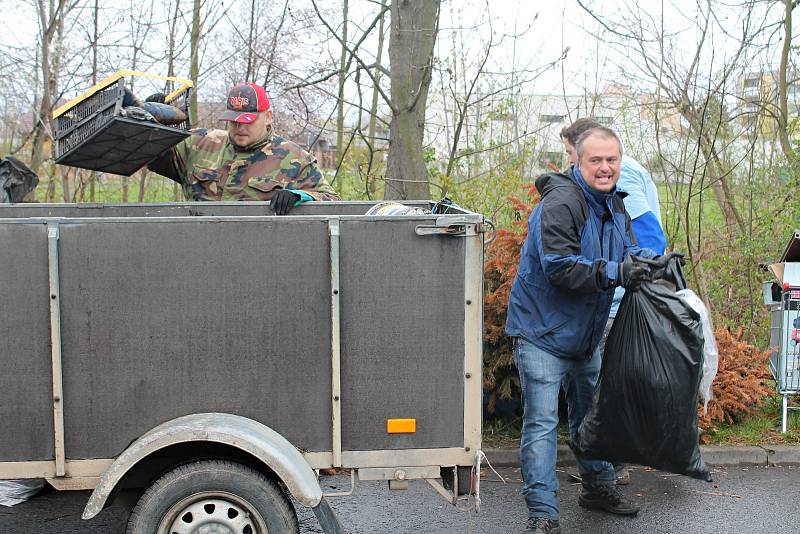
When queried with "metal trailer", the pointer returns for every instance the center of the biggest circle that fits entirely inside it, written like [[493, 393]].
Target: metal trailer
[[784, 337], [206, 354]]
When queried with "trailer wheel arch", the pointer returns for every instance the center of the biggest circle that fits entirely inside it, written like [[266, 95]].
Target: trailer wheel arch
[[275, 454]]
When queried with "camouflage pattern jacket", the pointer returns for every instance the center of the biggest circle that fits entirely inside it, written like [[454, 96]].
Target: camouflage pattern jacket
[[208, 167]]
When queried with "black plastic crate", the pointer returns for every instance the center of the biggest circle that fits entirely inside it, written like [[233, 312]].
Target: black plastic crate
[[91, 134]]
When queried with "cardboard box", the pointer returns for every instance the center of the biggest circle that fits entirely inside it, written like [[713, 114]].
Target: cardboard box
[[787, 270]]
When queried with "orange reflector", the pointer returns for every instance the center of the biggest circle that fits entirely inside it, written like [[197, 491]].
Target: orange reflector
[[401, 426]]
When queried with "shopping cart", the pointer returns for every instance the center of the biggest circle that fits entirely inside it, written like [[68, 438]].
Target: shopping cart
[[785, 325]]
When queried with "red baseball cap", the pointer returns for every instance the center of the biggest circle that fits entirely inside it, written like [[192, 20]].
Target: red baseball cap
[[244, 101]]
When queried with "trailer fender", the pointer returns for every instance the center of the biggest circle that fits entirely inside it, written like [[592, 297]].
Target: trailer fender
[[250, 436]]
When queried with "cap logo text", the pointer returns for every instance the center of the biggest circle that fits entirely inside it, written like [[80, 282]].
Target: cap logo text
[[238, 102]]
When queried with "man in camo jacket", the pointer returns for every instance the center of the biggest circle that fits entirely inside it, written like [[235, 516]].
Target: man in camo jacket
[[247, 161]]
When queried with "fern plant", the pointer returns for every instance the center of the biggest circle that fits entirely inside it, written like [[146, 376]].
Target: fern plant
[[742, 381], [502, 258]]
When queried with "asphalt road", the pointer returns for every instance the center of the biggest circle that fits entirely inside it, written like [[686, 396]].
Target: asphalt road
[[749, 500]]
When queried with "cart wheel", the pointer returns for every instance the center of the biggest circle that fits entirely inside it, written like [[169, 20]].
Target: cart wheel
[[213, 496]]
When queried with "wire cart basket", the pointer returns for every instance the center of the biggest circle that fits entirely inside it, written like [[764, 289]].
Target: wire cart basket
[[784, 339], [90, 132]]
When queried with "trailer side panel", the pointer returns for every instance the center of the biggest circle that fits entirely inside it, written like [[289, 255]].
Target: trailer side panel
[[163, 320], [26, 384], [402, 336]]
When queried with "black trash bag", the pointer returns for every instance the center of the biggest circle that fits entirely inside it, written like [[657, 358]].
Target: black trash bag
[[644, 409], [16, 180]]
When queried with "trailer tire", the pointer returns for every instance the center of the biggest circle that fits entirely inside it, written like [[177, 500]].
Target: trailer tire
[[213, 493]]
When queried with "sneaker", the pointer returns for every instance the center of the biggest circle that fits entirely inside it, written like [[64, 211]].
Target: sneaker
[[608, 498], [542, 525]]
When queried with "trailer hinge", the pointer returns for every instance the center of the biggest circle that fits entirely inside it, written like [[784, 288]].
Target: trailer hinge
[[454, 226], [450, 229]]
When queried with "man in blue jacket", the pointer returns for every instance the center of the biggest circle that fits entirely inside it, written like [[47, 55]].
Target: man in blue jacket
[[578, 250]]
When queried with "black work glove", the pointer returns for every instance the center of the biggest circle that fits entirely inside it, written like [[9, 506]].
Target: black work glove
[[633, 272], [663, 261], [283, 201]]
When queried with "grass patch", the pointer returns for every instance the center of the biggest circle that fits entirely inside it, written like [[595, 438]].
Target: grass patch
[[763, 427], [502, 433], [108, 189]]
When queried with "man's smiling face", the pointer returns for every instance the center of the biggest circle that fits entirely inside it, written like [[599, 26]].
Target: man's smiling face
[[599, 162]]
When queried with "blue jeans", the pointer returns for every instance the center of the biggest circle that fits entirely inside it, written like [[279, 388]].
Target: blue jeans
[[541, 375]]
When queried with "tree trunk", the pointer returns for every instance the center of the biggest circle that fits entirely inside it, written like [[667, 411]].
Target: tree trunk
[[48, 21], [783, 106], [194, 69], [80, 188], [65, 172], [142, 184], [173, 25], [414, 26], [95, 39], [176, 191], [342, 77], [251, 68], [373, 116], [50, 194]]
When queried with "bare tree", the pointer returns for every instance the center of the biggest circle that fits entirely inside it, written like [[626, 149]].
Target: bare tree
[[171, 53], [681, 86], [340, 104], [469, 85], [51, 15], [141, 26], [377, 73], [783, 85], [414, 26], [695, 89], [95, 40], [194, 70], [716, 155], [373, 109]]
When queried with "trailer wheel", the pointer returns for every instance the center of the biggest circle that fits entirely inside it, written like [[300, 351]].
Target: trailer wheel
[[213, 496]]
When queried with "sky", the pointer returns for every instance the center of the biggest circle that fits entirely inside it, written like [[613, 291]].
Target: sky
[[592, 57], [544, 29]]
